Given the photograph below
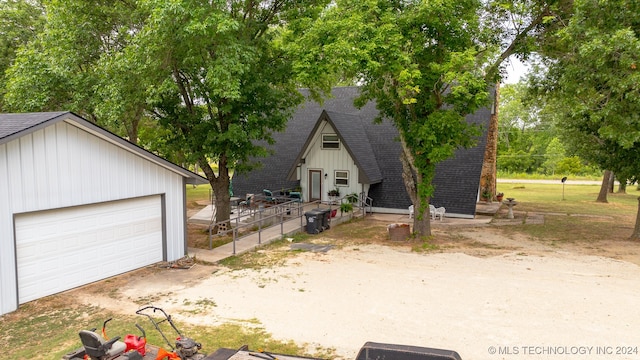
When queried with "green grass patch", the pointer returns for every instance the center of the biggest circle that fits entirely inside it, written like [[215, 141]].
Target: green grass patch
[[219, 240], [39, 332], [34, 332], [425, 245], [578, 219], [578, 230], [510, 175], [358, 230], [270, 255], [578, 199], [198, 193]]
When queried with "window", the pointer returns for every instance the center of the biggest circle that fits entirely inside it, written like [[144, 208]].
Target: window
[[341, 178], [330, 141]]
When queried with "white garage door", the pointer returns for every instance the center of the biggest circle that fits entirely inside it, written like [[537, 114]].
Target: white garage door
[[60, 249]]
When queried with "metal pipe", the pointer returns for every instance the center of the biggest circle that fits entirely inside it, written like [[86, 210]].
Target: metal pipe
[[235, 233]]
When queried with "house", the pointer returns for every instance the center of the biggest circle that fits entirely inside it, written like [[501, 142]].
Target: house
[[79, 204], [335, 145]]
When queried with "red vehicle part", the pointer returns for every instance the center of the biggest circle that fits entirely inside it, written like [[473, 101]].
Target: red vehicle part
[[137, 343]]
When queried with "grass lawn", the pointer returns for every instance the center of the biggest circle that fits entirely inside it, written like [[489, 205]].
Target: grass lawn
[[578, 199], [577, 218], [198, 193]]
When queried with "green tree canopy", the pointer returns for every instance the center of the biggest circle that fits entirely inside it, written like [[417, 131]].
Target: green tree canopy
[[419, 62], [427, 64], [69, 65], [554, 154], [592, 79], [20, 22], [219, 78]]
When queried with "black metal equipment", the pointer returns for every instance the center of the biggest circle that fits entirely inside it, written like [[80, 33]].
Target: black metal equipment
[[185, 347], [373, 351], [369, 351]]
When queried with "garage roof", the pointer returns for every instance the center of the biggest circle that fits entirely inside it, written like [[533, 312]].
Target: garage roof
[[13, 126]]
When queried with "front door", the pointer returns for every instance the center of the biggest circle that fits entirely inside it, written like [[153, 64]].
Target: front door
[[315, 185]]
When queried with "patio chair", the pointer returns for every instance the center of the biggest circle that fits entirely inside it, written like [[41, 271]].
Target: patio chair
[[411, 212], [435, 212], [246, 204], [268, 195], [295, 196]]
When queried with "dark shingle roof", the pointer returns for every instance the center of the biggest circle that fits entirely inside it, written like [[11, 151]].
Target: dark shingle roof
[[350, 130], [456, 181], [12, 125]]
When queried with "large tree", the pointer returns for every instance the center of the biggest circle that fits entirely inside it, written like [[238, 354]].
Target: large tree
[[222, 78], [593, 76], [427, 64], [526, 128], [70, 65], [516, 28], [20, 22], [211, 78]]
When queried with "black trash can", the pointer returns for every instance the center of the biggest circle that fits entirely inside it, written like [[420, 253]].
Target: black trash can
[[314, 222], [325, 217]]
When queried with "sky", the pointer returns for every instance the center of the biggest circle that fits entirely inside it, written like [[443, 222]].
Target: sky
[[515, 70]]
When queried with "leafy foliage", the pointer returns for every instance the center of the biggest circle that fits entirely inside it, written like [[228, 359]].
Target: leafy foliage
[[216, 76], [222, 78], [593, 82], [68, 65], [418, 61], [20, 22]]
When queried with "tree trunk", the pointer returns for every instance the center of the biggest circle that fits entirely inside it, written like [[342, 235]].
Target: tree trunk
[[422, 220], [220, 186], [410, 177], [604, 188], [489, 169], [622, 187], [612, 180], [132, 125], [636, 229], [132, 131]]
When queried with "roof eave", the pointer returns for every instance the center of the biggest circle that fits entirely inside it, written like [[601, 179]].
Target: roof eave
[[78, 121]]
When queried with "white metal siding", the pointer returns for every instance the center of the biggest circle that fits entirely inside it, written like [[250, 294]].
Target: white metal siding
[[60, 249], [7, 251], [62, 166], [329, 160]]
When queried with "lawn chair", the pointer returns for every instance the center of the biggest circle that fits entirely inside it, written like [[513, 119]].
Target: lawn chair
[[246, 204], [268, 196], [435, 212], [295, 196]]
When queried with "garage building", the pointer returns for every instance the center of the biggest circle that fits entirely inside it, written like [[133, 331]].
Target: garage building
[[79, 204]]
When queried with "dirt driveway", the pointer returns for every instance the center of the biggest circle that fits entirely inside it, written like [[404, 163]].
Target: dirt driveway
[[508, 298]]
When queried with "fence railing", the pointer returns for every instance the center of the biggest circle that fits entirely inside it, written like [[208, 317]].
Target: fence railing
[[268, 212], [264, 215]]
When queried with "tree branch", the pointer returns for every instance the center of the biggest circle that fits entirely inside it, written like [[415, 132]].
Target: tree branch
[[492, 71]]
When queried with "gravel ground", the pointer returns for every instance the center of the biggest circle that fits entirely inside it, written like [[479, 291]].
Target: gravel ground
[[518, 305]]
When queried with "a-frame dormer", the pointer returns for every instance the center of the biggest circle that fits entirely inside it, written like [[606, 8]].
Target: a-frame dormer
[[336, 155]]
